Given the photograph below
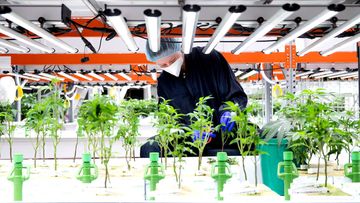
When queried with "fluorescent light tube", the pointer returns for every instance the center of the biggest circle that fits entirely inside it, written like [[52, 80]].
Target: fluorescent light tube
[[331, 74], [336, 47], [238, 73], [51, 76], [125, 76], [355, 75], [344, 75], [117, 21], [189, 25], [94, 75], [12, 45], [321, 73], [37, 76], [343, 27], [7, 13], [246, 75], [329, 12], [227, 22], [24, 77], [279, 16], [83, 76], [21, 38], [153, 22], [68, 76], [304, 73], [111, 76]]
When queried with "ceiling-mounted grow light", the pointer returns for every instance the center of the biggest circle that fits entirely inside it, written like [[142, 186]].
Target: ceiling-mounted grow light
[[304, 73], [238, 73], [332, 74], [248, 74], [329, 12], [336, 47], [352, 73], [37, 76], [321, 73], [153, 22], [21, 38], [68, 76], [23, 77], [7, 13], [12, 45], [51, 76], [111, 76], [91, 7], [83, 76], [125, 76], [117, 21], [94, 75], [343, 27], [190, 19], [227, 22], [279, 16]]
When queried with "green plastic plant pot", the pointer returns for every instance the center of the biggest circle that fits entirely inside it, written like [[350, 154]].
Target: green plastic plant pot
[[288, 156], [18, 158], [86, 157], [154, 156], [221, 156], [269, 164], [355, 156]]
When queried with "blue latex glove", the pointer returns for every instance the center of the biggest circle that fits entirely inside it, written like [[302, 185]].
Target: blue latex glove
[[196, 135], [225, 120]]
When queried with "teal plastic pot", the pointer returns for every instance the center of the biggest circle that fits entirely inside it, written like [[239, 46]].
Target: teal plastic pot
[[269, 163]]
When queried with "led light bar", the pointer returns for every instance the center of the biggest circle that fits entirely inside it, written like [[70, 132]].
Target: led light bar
[[321, 73], [111, 76], [24, 77], [227, 22], [117, 21], [125, 76], [344, 75], [83, 76], [329, 12], [190, 19], [37, 76], [336, 47], [343, 27], [246, 75], [68, 76], [21, 38], [331, 74], [90, 7], [94, 75], [153, 22], [12, 45], [7, 13], [51, 76], [355, 75], [238, 73], [304, 73], [279, 16]]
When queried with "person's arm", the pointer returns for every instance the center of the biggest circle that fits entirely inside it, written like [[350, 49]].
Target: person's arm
[[228, 87]]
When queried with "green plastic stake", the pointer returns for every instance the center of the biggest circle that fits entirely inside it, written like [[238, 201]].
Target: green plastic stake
[[289, 174], [85, 175], [223, 173], [154, 172], [16, 176], [354, 175]]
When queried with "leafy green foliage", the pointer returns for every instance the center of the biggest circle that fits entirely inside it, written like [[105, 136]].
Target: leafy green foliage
[[27, 103], [7, 125], [97, 119], [246, 136], [201, 121]]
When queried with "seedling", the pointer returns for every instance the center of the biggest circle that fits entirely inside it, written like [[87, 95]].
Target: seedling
[[7, 119], [201, 121], [100, 116]]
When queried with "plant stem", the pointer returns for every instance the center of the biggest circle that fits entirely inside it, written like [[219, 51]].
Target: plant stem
[[244, 170], [255, 166], [175, 171], [200, 159], [43, 145], [318, 168], [76, 145], [180, 166]]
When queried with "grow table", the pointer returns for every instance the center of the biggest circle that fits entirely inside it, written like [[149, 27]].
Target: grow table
[[45, 185]]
